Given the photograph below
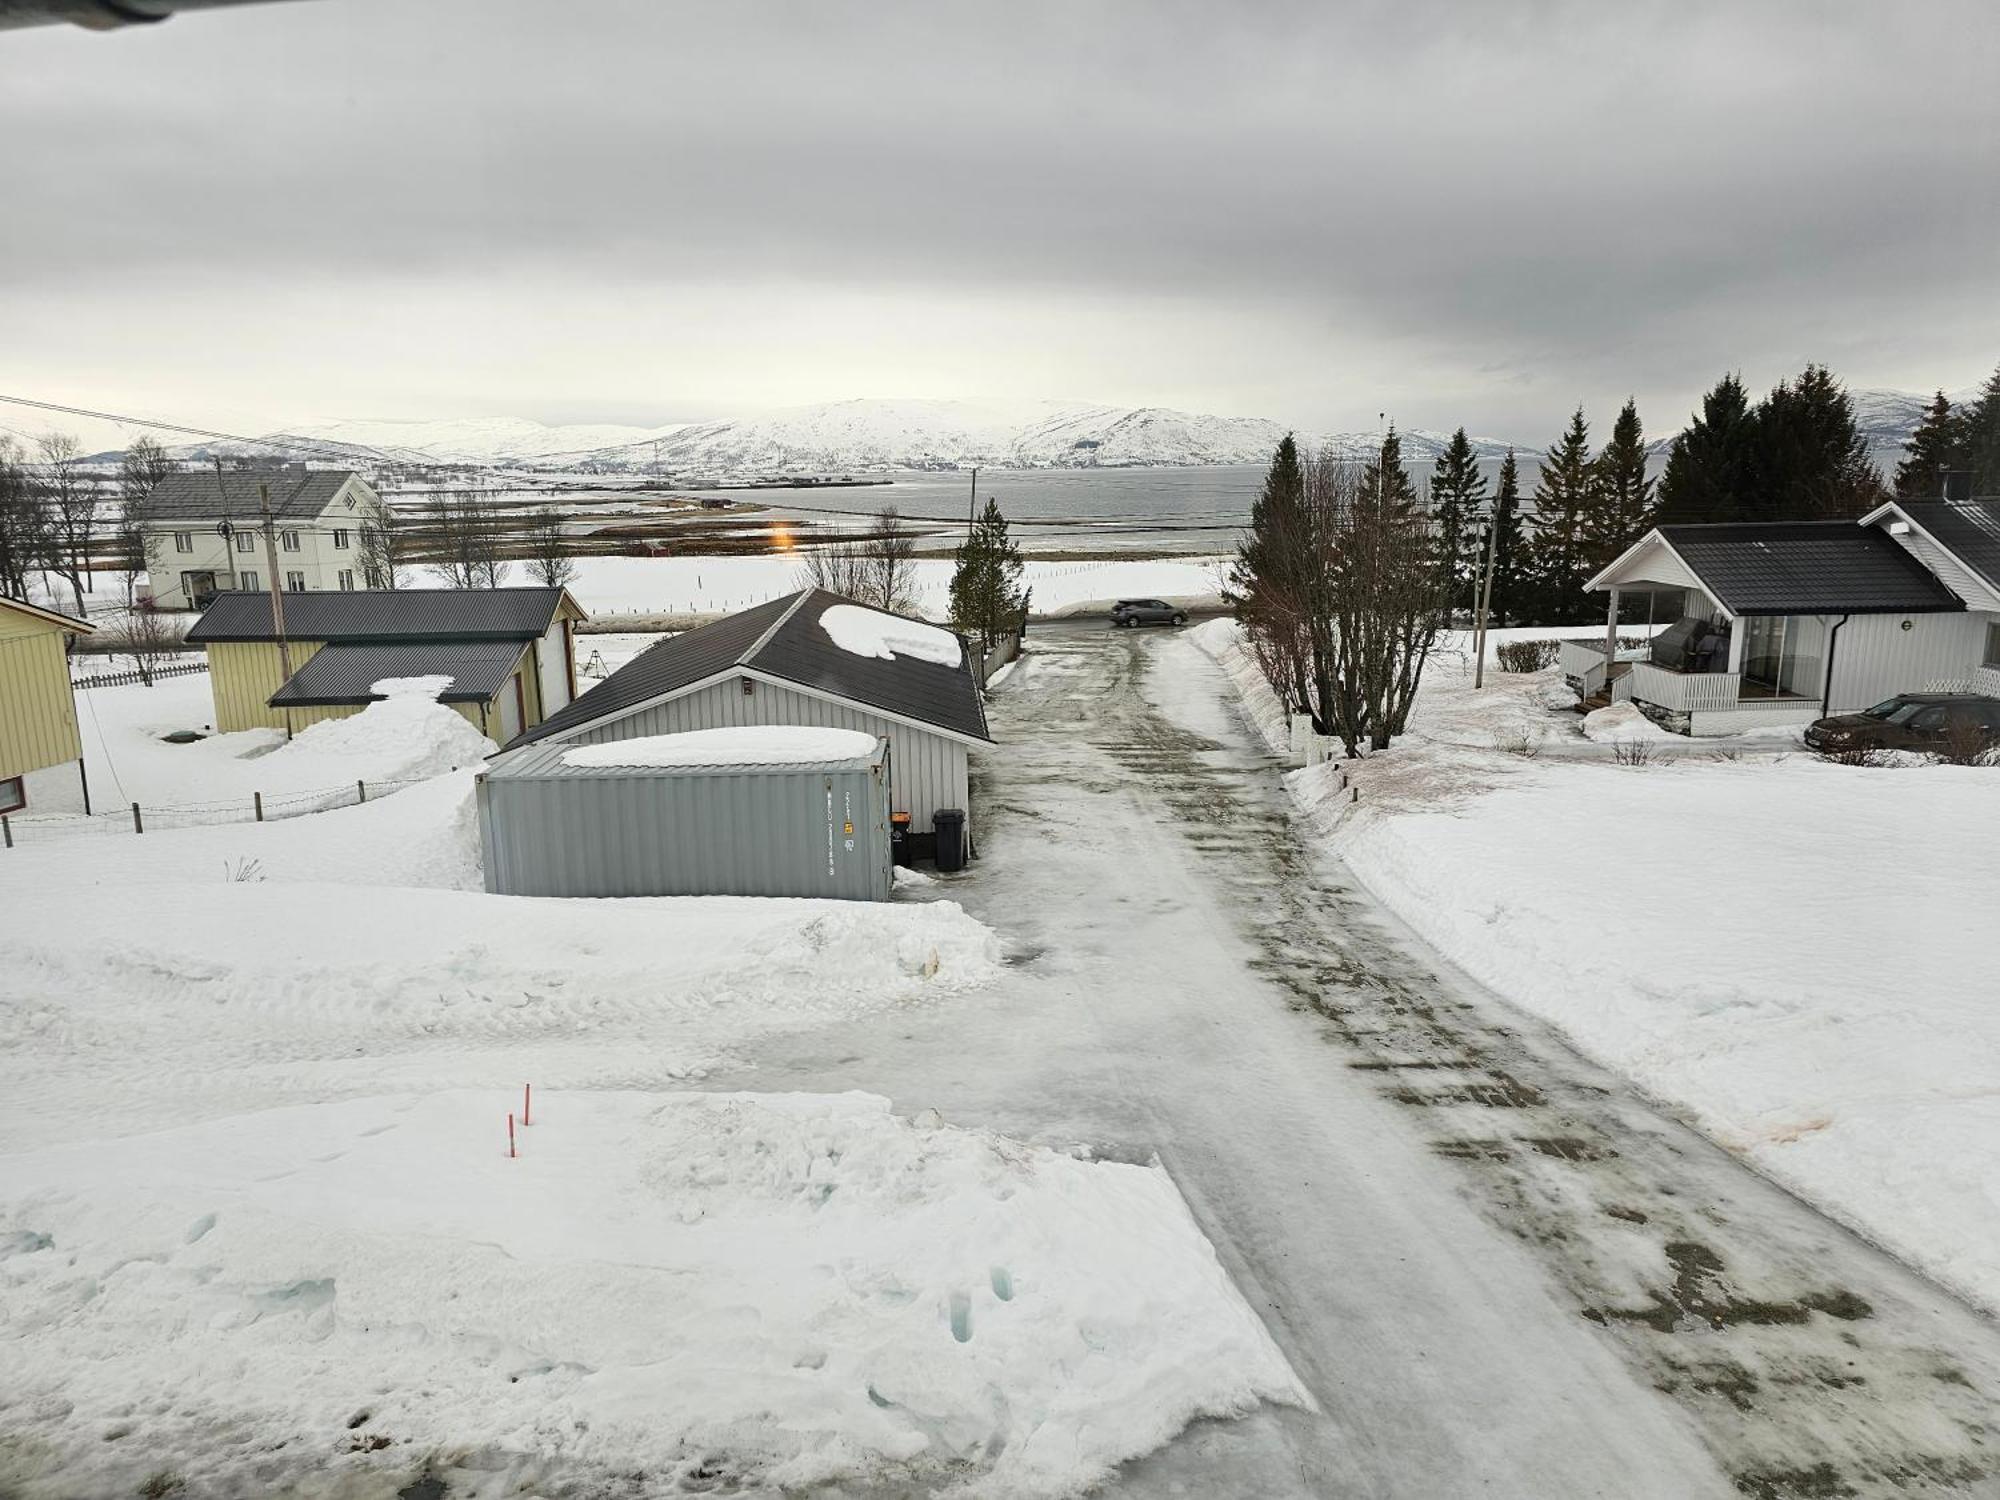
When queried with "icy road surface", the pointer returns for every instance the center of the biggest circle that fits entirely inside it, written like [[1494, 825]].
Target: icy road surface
[[1500, 1271]]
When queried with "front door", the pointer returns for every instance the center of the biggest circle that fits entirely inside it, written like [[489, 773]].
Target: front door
[[199, 586]]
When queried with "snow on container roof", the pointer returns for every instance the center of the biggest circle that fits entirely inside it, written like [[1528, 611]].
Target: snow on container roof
[[869, 632], [742, 745]]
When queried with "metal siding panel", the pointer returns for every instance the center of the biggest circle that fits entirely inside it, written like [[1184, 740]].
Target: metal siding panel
[[1874, 657], [39, 728]]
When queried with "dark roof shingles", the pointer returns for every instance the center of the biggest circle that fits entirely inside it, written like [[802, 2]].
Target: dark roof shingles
[[195, 495], [797, 650], [1808, 567], [347, 674], [1968, 529], [383, 615]]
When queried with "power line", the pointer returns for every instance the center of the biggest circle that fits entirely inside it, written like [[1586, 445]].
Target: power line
[[302, 445]]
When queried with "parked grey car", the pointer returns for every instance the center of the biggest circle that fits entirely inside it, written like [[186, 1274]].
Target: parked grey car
[[1147, 612]]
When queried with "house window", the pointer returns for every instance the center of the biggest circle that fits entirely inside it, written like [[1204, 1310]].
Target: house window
[[374, 578], [246, 579], [183, 541], [347, 580], [340, 538], [246, 541], [295, 583], [290, 539], [13, 795], [1993, 644]]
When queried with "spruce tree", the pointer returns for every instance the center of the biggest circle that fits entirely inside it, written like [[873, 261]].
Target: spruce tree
[[1809, 461], [1566, 497], [1624, 510], [1509, 548], [1385, 481], [1274, 522], [1458, 497], [1979, 440], [1706, 473], [986, 597], [1929, 451]]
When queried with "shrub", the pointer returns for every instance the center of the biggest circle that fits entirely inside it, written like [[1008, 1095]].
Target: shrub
[[1632, 752], [1525, 656], [1523, 744]]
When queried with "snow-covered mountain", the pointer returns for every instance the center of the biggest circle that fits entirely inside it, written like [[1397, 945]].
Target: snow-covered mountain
[[833, 437]]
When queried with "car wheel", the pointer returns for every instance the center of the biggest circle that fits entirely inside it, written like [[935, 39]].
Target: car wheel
[[1180, 619]]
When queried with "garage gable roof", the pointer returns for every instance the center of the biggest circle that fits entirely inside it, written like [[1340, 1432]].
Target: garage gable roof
[[408, 615], [782, 640]]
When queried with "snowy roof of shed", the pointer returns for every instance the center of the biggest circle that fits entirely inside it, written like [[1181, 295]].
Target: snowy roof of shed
[[786, 639], [348, 673]]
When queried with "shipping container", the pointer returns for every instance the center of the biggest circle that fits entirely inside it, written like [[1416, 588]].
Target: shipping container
[[550, 827]]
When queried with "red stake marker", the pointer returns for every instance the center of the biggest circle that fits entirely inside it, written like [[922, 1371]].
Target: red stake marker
[[527, 1098], [510, 1132]]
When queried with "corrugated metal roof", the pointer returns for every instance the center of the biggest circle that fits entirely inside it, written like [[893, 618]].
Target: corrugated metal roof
[[345, 674], [532, 761], [1808, 568], [783, 639], [800, 651], [678, 661], [383, 615], [1968, 529], [198, 495], [52, 616]]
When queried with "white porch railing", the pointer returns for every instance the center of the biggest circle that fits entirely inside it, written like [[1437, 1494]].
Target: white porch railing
[[1685, 692]]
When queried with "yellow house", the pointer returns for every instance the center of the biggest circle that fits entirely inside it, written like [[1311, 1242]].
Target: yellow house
[[38, 737], [510, 654]]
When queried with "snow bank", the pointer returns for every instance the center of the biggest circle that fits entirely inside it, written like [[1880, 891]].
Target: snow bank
[[407, 735], [1619, 723], [155, 1004], [1807, 968], [1223, 641], [781, 1290], [745, 745], [869, 632]]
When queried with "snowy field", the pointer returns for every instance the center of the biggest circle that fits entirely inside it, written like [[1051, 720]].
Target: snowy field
[[260, 1233], [717, 585], [1794, 953]]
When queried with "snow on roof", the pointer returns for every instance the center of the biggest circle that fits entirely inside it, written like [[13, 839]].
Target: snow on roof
[[869, 632], [747, 745], [431, 687]]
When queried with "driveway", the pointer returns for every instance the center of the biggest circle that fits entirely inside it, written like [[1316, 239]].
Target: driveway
[[1499, 1269]]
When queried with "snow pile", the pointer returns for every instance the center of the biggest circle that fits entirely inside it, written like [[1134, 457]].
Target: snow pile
[[762, 1289], [1620, 723], [171, 999], [869, 632], [406, 736], [1223, 641], [744, 745], [1823, 1012]]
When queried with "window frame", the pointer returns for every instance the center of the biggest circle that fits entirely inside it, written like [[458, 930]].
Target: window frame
[[246, 580], [340, 538], [295, 581], [346, 580], [20, 794], [183, 541], [289, 540], [246, 540], [1992, 645]]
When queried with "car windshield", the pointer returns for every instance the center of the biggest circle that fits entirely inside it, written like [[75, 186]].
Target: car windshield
[[1895, 711]]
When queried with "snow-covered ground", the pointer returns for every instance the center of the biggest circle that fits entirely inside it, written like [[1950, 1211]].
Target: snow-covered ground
[[1794, 952], [259, 1232], [122, 729], [716, 585]]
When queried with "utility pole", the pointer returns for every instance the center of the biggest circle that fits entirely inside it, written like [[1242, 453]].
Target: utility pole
[[972, 504], [1485, 599], [277, 593]]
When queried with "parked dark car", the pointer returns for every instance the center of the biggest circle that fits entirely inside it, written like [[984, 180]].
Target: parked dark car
[[1913, 721], [1146, 612]]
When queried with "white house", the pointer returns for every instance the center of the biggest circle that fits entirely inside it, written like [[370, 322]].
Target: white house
[[809, 658], [203, 533], [1781, 623]]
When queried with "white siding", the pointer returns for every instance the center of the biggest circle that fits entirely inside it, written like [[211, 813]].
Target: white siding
[[926, 771], [1975, 593], [1874, 657], [552, 654]]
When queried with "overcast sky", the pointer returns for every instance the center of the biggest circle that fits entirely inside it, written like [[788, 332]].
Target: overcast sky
[[657, 211]]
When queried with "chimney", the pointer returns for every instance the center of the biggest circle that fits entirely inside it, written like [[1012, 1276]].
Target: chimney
[[1956, 484], [296, 470]]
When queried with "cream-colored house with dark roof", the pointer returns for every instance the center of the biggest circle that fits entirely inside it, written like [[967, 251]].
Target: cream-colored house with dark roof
[[204, 538]]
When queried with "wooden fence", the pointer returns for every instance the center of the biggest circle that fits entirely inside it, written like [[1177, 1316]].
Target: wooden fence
[[127, 679]]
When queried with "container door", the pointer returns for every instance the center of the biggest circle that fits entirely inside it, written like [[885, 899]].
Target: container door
[[508, 702]]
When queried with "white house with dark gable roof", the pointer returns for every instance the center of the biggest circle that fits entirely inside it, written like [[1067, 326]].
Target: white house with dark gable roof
[[203, 533]]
